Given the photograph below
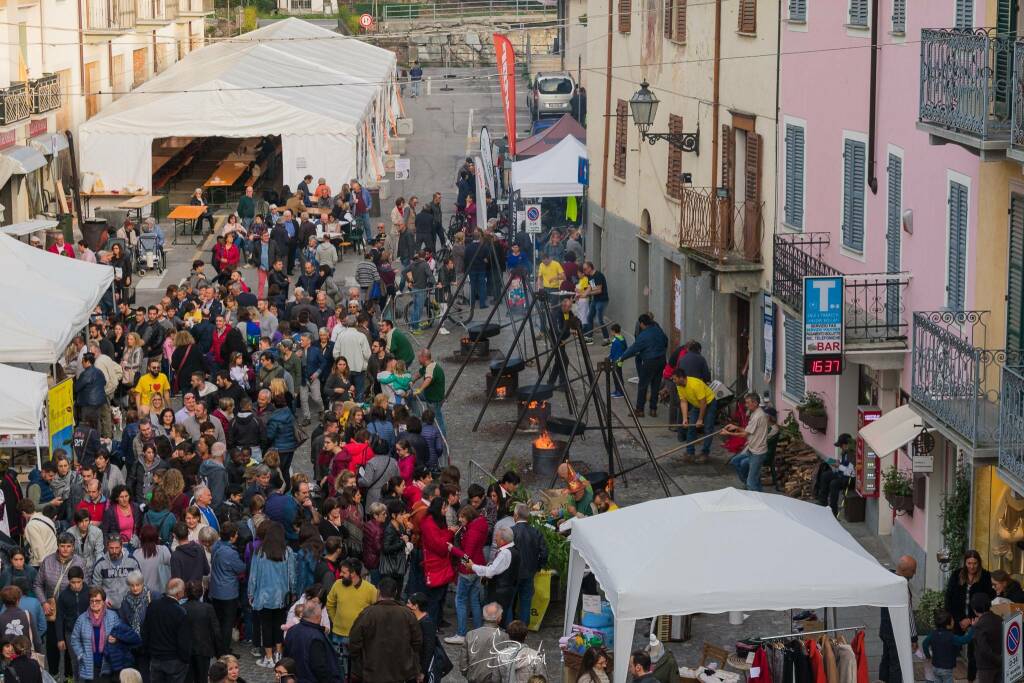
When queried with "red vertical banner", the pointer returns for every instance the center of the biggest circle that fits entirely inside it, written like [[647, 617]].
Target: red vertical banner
[[506, 59]]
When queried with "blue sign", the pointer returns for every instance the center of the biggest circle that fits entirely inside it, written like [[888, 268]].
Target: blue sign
[[583, 172], [1012, 638], [823, 325]]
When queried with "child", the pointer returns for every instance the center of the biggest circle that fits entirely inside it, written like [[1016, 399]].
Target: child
[[942, 646], [432, 435], [615, 352], [395, 382]]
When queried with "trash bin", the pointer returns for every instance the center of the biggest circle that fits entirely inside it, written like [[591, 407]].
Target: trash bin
[[94, 232]]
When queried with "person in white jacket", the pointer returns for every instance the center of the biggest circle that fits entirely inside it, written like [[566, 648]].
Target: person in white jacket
[[40, 532], [351, 343]]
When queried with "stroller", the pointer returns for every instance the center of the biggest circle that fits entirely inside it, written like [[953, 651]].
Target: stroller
[[149, 255]]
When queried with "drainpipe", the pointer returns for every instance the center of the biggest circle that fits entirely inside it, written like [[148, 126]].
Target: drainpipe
[[873, 99], [608, 106], [81, 49], [778, 112], [714, 93]]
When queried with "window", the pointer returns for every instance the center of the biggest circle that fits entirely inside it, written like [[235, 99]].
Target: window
[[854, 152], [794, 377], [140, 66], [963, 14], [956, 274], [793, 211], [899, 16], [92, 83], [859, 10], [798, 10], [621, 126], [674, 184], [1015, 288], [625, 15], [747, 16], [675, 20]]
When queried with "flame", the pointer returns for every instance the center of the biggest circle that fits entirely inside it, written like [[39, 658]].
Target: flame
[[533, 405], [501, 392], [544, 441]]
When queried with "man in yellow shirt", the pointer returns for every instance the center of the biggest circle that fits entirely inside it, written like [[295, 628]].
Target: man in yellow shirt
[[349, 596], [153, 382], [549, 280], [701, 406]]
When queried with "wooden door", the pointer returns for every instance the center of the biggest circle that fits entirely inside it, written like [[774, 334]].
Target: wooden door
[[92, 84]]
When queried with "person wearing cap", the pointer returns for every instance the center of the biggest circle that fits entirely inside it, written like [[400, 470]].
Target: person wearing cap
[[748, 461], [839, 474], [580, 492]]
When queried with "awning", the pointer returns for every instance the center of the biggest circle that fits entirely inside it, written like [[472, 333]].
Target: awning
[[893, 430], [50, 143], [19, 160], [28, 227]]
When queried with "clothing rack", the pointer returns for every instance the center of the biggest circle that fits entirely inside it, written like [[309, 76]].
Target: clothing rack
[[814, 633]]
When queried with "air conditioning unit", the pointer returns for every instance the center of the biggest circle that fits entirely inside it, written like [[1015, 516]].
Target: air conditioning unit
[[404, 126]]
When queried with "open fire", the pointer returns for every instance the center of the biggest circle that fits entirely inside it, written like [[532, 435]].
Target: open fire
[[483, 347], [536, 416], [547, 453], [501, 392], [544, 441]]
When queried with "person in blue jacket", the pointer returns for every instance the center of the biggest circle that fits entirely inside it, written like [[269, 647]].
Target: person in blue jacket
[[90, 639], [649, 347], [225, 568], [281, 434]]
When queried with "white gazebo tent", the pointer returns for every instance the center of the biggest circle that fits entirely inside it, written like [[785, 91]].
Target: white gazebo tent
[[22, 402], [724, 551], [555, 173], [328, 96], [47, 301]]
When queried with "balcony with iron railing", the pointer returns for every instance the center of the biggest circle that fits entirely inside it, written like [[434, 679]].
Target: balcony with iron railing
[[722, 233], [194, 8], [955, 379], [966, 84], [109, 17], [874, 304], [157, 11], [17, 105], [1011, 424], [45, 93]]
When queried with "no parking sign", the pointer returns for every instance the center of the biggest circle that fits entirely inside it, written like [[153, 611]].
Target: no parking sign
[[533, 219], [1013, 663]]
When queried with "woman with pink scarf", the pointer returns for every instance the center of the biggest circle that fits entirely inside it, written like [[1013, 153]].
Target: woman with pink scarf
[[92, 636]]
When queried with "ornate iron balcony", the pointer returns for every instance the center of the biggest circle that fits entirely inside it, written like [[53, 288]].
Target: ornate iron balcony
[[17, 106], [796, 256], [45, 93], [954, 377], [1011, 422], [719, 228], [966, 77]]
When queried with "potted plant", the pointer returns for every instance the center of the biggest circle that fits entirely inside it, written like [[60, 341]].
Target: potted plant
[[812, 412], [898, 489]]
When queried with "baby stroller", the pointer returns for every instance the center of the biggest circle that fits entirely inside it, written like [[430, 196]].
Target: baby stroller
[[149, 255]]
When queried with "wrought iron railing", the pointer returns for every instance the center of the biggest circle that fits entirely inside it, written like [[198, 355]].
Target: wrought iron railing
[[110, 15], [1017, 106], [874, 308], [17, 106], [966, 77], [720, 228], [1011, 421], [796, 256], [470, 8], [954, 377], [45, 93]]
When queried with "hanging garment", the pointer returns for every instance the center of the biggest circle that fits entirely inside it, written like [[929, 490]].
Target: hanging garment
[[760, 670], [817, 665], [571, 210], [801, 664], [860, 650], [777, 658], [847, 663], [828, 655]]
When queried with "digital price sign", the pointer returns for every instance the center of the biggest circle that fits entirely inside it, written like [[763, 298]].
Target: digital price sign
[[823, 365], [823, 325]]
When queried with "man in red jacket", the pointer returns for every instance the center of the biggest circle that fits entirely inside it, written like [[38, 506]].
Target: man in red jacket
[[469, 543], [59, 246]]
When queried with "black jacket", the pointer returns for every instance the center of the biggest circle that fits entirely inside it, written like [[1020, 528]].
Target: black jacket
[[314, 657], [425, 225], [429, 631], [988, 640], [406, 245], [202, 622], [69, 606], [246, 430], [533, 549], [188, 563], [165, 631], [958, 595]]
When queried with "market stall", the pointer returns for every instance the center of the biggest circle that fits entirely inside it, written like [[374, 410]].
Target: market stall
[[330, 97], [22, 404], [555, 173], [549, 137], [698, 559]]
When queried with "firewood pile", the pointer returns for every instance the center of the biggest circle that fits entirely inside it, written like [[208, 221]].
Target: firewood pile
[[796, 463]]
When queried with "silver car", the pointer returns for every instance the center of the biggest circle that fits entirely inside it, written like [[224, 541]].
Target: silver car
[[552, 94]]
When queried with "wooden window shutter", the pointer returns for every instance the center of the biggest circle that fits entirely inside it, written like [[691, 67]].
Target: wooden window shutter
[[625, 15], [669, 6], [674, 185], [680, 20], [752, 169], [728, 173], [748, 16], [621, 126]]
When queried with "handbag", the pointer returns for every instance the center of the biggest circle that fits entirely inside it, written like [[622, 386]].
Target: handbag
[[393, 565], [440, 663], [301, 434]]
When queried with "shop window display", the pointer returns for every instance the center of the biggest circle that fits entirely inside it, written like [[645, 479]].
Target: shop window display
[[998, 522]]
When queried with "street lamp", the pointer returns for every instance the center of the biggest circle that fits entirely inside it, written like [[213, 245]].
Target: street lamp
[[644, 105]]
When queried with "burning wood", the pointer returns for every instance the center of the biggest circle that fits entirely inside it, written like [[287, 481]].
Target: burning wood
[[501, 392], [544, 441]]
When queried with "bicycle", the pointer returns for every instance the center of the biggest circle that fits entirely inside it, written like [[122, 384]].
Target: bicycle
[[461, 312]]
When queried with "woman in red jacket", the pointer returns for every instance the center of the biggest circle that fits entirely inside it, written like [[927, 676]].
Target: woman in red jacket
[[469, 542], [435, 539]]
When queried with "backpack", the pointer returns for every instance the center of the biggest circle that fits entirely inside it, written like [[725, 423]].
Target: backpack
[[670, 366], [305, 570]]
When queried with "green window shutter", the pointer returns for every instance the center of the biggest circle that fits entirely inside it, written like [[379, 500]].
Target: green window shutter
[[899, 16], [798, 10], [794, 377], [854, 156], [858, 12], [794, 209], [1015, 277], [893, 227], [956, 268], [963, 16]]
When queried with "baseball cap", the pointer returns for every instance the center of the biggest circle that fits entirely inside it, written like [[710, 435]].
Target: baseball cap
[[843, 440]]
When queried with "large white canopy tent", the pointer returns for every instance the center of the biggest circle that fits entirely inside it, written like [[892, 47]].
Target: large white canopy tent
[[555, 173], [724, 551], [47, 301], [22, 400], [330, 97]]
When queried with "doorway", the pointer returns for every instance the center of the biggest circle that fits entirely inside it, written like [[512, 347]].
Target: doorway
[[741, 311], [643, 278], [674, 303]]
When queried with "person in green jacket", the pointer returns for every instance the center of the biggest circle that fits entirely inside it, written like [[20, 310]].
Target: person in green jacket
[[246, 207], [398, 343], [430, 388]]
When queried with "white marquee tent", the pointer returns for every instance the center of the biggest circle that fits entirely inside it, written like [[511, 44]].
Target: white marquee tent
[[724, 551], [330, 97], [555, 173], [47, 301], [22, 400]]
